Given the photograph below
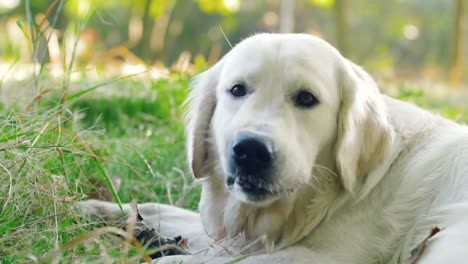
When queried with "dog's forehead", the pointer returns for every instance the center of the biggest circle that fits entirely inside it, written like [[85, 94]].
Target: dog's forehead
[[281, 48], [296, 59]]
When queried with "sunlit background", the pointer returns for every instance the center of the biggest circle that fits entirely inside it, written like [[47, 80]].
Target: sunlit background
[[398, 39]]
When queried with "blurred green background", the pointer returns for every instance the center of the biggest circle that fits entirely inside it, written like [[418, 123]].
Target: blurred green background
[[403, 39]]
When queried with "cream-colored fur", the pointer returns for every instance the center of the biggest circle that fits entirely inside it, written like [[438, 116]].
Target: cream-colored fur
[[359, 178]]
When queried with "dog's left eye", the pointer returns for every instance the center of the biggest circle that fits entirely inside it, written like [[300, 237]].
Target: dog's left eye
[[238, 90], [305, 99]]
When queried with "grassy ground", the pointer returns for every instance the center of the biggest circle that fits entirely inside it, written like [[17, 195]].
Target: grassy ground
[[129, 131], [54, 155]]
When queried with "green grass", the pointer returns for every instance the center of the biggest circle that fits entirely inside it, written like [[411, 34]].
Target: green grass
[[144, 139], [54, 156], [129, 129]]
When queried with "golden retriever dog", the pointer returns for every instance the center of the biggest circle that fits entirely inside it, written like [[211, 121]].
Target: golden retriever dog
[[302, 160]]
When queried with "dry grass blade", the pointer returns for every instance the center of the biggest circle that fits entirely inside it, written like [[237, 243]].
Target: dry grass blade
[[94, 87], [10, 188], [75, 242], [36, 213]]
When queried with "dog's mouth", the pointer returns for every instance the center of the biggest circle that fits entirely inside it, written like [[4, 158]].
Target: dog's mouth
[[255, 193]]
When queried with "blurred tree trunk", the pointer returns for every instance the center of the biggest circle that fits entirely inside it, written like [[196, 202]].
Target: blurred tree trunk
[[143, 48], [341, 21], [286, 16], [160, 30], [179, 11], [457, 43]]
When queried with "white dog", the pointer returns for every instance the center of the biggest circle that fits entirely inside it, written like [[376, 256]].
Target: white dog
[[302, 160]]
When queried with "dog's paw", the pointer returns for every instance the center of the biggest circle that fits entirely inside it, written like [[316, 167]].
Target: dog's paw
[[106, 212], [163, 246], [110, 214]]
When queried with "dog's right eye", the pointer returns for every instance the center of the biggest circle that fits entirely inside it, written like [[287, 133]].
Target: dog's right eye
[[305, 99], [238, 90]]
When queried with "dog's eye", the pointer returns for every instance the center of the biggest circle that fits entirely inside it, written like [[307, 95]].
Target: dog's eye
[[305, 99], [238, 90]]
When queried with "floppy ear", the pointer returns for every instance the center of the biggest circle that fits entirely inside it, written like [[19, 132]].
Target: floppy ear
[[364, 134], [201, 105]]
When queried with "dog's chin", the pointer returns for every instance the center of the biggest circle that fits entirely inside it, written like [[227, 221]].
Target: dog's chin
[[257, 199]]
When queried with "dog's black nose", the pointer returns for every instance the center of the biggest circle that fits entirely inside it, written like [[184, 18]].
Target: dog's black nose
[[252, 155]]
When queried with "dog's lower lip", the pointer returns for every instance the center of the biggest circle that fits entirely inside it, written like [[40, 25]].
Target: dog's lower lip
[[257, 191]]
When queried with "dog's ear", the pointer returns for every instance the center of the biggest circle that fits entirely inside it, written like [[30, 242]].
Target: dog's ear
[[365, 135], [201, 105]]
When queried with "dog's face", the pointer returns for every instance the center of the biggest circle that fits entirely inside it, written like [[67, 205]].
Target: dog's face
[[276, 109], [274, 105]]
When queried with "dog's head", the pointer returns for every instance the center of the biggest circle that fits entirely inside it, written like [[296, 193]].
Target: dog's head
[[278, 106]]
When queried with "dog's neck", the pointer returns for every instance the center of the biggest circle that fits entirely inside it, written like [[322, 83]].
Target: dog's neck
[[278, 225]]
